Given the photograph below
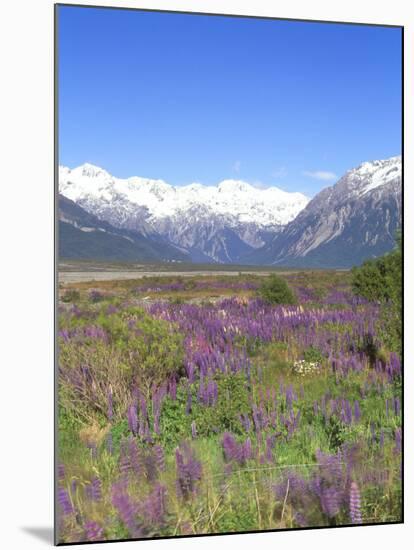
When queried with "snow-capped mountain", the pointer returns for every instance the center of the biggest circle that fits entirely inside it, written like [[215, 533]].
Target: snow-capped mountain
[[355, 219], [235, 222], [215, 223]]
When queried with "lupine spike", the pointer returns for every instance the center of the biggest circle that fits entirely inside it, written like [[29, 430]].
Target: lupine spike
[[355, 504]]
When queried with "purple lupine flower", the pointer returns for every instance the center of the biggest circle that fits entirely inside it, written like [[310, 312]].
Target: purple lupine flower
[[64, 334], [355, 504], [387, 408], [329, 498], [95, 295], [188, 471], [133, 419], [300, 519], [397, 406], [64, 501], [134, 458], [126, 508], [357, 411], [93, 531], [289, 396], [157, 421], [151, 463], [94, 490], [270, 443], [245, 421], [247, 451], [124, 460], [172, 388], [257, 418], [347, 412], [230, 447], [143, 407], [398, 441], [61, 472], [154, 506], [159, 457], [112, 309], [212, 391]]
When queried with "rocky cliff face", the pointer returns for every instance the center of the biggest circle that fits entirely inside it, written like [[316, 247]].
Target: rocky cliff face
[[355, 219]]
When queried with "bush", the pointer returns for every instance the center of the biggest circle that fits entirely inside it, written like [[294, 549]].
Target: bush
[[380, 280], [275, 290], [153, 349], [132, 349], [71, 295], [313, 355], [371, 281], [232, 401]]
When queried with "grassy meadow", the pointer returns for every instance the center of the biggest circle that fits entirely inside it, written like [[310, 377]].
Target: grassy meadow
[[190, 405]]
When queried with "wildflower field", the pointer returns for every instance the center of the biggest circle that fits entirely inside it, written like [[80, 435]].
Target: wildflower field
[[189, 405]]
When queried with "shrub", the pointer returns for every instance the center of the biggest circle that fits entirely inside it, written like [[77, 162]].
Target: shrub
[[275, 290], [370, 280], [131, 349], [153, 349], [232, 401], [380, 280], [71, 295], [313, 355]]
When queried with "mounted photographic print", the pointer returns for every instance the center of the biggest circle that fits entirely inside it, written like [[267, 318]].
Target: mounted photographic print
[[228, 274]]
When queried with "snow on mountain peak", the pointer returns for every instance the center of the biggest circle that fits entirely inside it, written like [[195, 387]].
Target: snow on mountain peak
[[231, 186], [370, 175], [91, 170], [235, 201]]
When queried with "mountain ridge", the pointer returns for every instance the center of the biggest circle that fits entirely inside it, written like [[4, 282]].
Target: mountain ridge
[[83, 236], [221, 222], [345, 223], [235, 222]]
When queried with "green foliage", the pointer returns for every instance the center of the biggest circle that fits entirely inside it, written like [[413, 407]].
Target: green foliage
[[137, 350], [380, 280], [224, 416], [320, 293], [371, 280], [71, 295], [190, 284], [275, 290], [153, 348], [176, 300], [313, 355], [119, 431], [336, 431], [232, 401]]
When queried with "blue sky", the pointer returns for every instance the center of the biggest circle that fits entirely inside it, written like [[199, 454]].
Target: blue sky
[[199, 98]]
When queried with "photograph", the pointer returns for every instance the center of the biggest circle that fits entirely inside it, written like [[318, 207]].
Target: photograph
[[229, 274]]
